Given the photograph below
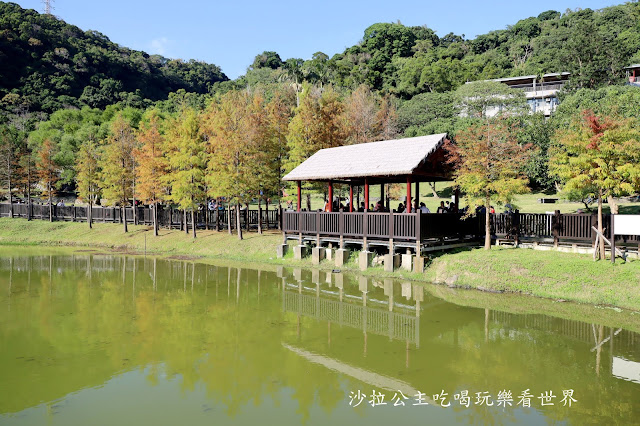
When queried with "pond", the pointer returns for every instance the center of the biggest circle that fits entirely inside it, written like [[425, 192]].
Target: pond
[[98, 338]]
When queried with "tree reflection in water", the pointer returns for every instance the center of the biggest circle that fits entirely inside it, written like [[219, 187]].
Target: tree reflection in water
[[307, 337]]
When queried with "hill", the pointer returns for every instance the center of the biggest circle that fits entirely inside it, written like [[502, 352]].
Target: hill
[[47, 64], [593, 45]]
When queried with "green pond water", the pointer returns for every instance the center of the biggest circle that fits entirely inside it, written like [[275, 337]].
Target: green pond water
[[90, 339]]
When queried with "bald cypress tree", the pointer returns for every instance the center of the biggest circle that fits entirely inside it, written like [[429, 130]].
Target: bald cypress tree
[[187, 161], [116, 164]]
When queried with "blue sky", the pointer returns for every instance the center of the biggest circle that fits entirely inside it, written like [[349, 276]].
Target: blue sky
[[231, 33]]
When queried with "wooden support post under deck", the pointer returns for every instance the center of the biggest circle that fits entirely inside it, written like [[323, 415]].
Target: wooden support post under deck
[[350, 198], [299, 195], [330, 196], [317, 229], [341, 229], [366, 194], [408, 206], [391, 233]]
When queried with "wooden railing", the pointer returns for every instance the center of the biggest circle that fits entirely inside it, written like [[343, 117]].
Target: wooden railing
[[401, 227], [575, 227], [167, 217]]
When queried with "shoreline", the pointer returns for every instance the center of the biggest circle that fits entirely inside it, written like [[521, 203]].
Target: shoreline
[[550, 275]]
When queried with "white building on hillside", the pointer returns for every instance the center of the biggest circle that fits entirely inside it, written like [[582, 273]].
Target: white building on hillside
[[542, 94]]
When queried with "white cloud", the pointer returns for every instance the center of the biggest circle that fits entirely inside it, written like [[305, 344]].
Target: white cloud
[[159, 46]]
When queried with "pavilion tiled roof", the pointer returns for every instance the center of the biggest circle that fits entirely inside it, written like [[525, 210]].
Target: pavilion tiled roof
[[395, 157]]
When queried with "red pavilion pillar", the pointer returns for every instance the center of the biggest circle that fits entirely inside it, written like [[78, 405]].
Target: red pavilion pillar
[[366, 194]]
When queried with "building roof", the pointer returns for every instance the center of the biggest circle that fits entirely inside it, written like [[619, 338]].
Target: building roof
[[530, 77], [392, 158]]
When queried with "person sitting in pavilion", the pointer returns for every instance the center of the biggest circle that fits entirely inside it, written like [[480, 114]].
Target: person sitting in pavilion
[[442, 208], [424, 208]]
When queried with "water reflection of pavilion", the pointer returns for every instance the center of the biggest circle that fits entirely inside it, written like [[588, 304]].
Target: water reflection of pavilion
[[328, 301]]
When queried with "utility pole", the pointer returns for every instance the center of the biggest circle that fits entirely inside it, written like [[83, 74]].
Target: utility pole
[[48, 6]]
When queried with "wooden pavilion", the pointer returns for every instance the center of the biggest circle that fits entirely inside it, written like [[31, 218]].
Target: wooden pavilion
[[411, 160], [408, 161]]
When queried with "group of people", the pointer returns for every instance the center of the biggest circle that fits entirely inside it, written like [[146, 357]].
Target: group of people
[[447, 208]]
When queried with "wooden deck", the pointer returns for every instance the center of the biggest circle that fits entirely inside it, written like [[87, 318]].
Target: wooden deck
[[425, 232], [415, 230]]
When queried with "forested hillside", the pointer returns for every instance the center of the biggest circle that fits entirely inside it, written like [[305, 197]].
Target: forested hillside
[[594, 46], [47, 64]]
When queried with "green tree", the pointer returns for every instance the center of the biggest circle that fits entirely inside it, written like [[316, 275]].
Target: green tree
[[317, 124], [267, 59], [486, 99], [9, 139], [116, 163], [185, 151], [229, 151], [600, 155], [88, 175], [48, 171], [489, 162]]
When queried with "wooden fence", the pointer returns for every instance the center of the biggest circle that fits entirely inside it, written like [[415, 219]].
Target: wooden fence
[[561, 228], [420, 227], [167, 217]]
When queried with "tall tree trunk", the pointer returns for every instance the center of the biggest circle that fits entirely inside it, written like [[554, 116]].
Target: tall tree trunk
[[50, 204], [135, 209], [229, 218], [184, 218], [487, 224], [259, 217], [267, 211], [432, 185], [10, 194], [124, 216], [90, 214], [29, 193], [193, 221], [155, 218], [239, 228], [601, 240]]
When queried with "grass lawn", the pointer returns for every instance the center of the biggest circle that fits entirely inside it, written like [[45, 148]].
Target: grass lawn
[[547, 274]]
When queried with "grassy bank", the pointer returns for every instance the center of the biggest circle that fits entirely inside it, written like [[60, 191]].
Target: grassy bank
[[547, 274], [555, 275]]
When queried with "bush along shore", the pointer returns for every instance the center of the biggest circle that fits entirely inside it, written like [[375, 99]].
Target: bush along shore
[[549, 274]]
